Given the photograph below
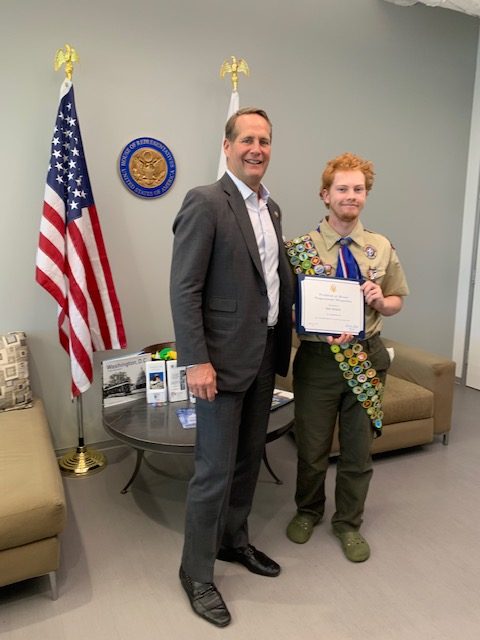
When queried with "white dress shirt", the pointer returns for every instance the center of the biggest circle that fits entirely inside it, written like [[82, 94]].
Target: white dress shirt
[[267, 241]]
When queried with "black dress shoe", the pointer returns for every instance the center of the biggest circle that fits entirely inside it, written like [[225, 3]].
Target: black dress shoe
[[205, 599], [251, 558]]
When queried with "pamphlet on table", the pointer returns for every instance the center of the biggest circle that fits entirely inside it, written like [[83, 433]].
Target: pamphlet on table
[[280, 398], [124, 378]]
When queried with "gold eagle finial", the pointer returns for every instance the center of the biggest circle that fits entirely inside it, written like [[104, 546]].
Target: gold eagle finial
[[234, 67], [67, 57]]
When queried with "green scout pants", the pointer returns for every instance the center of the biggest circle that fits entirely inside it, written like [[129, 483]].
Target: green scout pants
[[322, 393]]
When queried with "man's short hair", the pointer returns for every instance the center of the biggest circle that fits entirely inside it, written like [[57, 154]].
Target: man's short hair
[[230, 133], [347, 162]]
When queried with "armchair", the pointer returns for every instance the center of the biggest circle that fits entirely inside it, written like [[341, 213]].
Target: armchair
[[417, 402]]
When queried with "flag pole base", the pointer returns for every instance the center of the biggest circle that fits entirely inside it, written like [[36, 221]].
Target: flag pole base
[[81, 462]]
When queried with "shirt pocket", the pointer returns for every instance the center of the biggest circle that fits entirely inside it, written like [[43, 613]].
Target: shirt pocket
[[375, 274]]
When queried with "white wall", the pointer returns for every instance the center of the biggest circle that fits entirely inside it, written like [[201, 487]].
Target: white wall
[[391, 83], [462, 339]]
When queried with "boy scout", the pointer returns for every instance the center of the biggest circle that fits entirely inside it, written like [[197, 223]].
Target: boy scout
[[342, 375]]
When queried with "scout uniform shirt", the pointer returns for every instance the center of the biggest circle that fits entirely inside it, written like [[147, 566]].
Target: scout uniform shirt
[[377, 259]]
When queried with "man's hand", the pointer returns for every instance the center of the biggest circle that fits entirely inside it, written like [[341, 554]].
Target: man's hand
[[202, 381]]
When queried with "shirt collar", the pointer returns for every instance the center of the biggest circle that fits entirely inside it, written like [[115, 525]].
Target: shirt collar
[[245, 190], [332, 237]]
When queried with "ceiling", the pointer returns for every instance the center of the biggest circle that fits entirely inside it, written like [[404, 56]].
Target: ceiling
[[472, 7]]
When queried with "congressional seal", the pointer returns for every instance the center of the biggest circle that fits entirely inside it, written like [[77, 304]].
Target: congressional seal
[[147, 167]]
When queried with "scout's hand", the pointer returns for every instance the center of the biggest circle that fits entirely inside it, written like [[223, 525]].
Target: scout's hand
[[373, 295], [202, 381], [342, 339], [387, 306]]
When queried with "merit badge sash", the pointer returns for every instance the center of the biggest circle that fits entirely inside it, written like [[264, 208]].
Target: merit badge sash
[[352, 358], [362, 379], [303, 257]]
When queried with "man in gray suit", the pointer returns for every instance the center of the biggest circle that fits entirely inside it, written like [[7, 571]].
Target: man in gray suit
[[231, 295]]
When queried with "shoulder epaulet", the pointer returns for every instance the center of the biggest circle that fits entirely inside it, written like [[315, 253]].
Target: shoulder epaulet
[[380, 234]]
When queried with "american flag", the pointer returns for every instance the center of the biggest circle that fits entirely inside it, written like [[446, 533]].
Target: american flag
[[72, 263]]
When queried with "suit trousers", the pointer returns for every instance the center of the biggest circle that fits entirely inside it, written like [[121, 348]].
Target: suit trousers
[[230, 441], [322, 394]]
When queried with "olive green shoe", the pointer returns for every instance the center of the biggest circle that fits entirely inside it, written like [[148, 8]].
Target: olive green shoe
[[354, 545], [301, 526]]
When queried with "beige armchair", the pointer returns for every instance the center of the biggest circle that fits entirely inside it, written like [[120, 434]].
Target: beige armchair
[[417, 402], [32, 500]]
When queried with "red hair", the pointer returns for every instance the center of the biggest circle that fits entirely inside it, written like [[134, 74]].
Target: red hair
[[347, 162]]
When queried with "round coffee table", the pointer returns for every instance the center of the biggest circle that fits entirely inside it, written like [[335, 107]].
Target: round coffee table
[[157, 428]]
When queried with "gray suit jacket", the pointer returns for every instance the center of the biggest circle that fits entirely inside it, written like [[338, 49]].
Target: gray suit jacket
[[218, 294]]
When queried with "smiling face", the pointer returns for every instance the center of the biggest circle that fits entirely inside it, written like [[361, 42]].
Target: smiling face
[[345, 197], [248, 153]]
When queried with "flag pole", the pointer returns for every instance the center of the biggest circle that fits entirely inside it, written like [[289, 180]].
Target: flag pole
[[233, 66], [82, 461]]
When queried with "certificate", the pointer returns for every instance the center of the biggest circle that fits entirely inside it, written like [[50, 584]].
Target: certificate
[[329, 305]]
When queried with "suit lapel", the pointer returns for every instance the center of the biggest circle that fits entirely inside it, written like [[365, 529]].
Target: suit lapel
[[239, 208], [283, 267], [275, 216]]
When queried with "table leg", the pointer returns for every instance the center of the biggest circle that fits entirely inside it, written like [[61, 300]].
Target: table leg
[[269, 468], [140, 453]]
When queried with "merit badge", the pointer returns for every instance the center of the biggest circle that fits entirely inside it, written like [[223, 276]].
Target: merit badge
[[147, 167], [302, 255]]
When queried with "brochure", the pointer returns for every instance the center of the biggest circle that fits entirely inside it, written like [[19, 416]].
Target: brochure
[[187, 417], [156, 381], [280, 397], [124, 378], [176, 381]]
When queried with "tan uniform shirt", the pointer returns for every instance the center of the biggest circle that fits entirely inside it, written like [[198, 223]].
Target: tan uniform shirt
[[377, 259]]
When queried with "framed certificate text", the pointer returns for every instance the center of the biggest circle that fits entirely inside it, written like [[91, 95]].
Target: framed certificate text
[[329, 306]]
